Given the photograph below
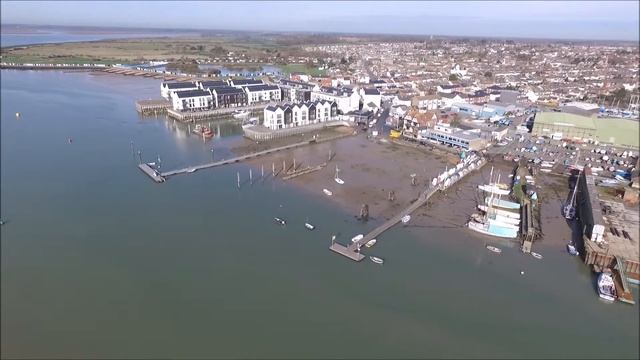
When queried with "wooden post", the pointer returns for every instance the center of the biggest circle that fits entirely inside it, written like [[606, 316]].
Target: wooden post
[[262, 171], [284, 168], [273, 169], [250, 176], [140, 156], [294, 164], [238, 173]]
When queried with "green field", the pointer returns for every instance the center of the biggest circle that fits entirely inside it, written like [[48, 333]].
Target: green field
[[303, 68]]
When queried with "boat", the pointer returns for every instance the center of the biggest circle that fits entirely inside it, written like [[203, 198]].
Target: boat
[[501, 212], [494, 249], [498, 189], [327, 192], [239, 114], [406, 218], [545, 170], [339, 181], [251, 122], [572, 250], [371, 242], [536, 255], [502, 219], [492, 229], [192, 170], [376, 260], [606, 286], [280, 221], [357, 238], [309, 226], [502, 203]]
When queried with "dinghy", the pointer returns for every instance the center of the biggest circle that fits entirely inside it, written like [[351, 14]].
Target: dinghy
[[376, 260]]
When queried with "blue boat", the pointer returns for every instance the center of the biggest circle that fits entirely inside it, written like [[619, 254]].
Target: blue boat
[[502, 204]]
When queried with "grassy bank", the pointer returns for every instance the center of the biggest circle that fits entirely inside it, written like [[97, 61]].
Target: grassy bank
[[303, 68]]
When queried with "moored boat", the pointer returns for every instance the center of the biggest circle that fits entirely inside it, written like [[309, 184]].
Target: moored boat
[[280, 221], [238, 114], [572, 250], [339, 181], [376, 260], [492, 229], [500, 212], [606, 286], [357, 238], [371, 242], [309, 226], [406, 218], [327, 192], [536, 255], [494, 249], [498, 189], [502, 203]]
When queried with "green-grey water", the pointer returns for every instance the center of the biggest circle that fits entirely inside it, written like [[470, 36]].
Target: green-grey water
[[98, 261]]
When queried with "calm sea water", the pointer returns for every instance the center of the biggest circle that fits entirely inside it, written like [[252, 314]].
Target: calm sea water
[[61, 37], [99, 261]]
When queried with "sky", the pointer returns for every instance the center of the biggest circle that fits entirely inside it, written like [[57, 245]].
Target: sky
[[596, 20]]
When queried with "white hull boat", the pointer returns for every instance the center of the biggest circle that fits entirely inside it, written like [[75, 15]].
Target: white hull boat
[[309, 226], [502, 204], [376, 260], [504, 221], [572, 250], [494, 249], [606, 286], [240, 114], [339, 181], [406, 218], [504, 213], [327, 192], [357, 238], [492, 229], [280, 221], [494, 188], [370, 243], [536, 255]]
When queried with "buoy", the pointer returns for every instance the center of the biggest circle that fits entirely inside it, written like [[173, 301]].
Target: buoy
[[17, 114], [521, 272]]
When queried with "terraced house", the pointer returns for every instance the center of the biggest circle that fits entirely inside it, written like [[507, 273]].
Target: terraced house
[[298, 114]]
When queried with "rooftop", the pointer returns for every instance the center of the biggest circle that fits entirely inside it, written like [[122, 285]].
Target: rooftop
[[192, 93]]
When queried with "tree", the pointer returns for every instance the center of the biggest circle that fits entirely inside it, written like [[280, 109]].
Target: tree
[[453, 77], [488, 74], [343, 61]]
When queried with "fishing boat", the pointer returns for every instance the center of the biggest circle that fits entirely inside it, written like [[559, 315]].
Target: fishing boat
[[309, 226], [337, 178], [502, 203], [494, 249], [370, 243], [376, 260], [606, 286], [280, 221], [406, 218], [501, 212], [569, 211], [536, 255], [572, 250], [357, 238], [239, 114], [327, 192]]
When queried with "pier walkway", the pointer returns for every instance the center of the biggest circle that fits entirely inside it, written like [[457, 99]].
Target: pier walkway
[[352, 251], [194, 168]]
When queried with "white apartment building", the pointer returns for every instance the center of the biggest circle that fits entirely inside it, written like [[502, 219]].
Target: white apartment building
[[299, 114]]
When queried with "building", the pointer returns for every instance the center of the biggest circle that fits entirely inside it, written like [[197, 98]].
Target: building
[[228, 96], [448, 89], [379, 84], [167, 88], [371, 99], [205, 85], [299, 114], [191, 100], [244, 82], [415, 121], [262, 93], [580, 108], [427, 102], [447, 135], [345, 98], [295, 91], [448, 99]]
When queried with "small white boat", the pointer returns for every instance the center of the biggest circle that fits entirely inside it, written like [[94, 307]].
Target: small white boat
[[238, 114], [406, 218], [606, 286], [536, 255], [339, 181], [192, 170], [371, 242], [494, 249], [309, 226], [280, 221], [498, 189], [357, 238], [500, 212], [376, 260], [327, 192], [546, 170]]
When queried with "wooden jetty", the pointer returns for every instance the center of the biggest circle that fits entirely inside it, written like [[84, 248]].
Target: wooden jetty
[[153, 174], [304, 171], [153, 106], [352, 251], [234, 160]]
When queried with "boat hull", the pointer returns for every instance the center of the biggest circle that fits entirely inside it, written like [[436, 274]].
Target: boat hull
[[492, 230]]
